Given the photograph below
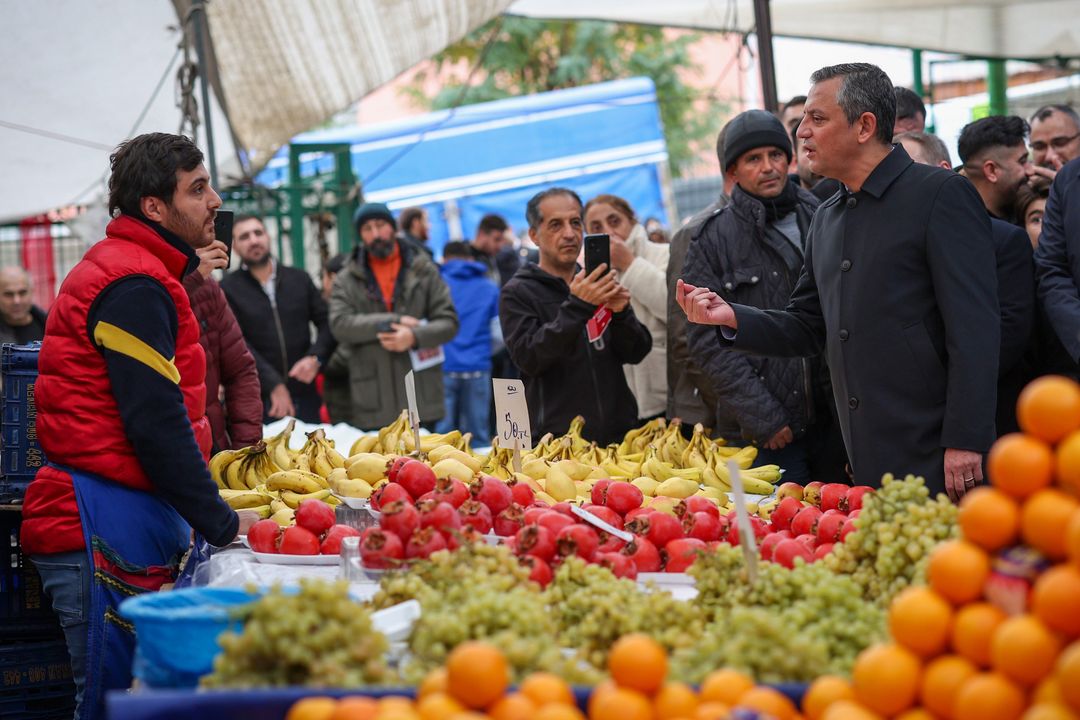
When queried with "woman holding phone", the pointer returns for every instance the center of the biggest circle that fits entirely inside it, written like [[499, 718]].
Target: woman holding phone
[[642, 267]]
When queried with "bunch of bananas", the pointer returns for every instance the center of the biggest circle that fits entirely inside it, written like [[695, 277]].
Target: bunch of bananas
[[397, 439], [272, 479]]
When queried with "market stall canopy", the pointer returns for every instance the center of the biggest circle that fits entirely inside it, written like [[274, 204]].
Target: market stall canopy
[[1018, 29]]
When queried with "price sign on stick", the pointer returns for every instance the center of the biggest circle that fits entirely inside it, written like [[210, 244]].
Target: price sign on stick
[[746, 532], [414, 414], [512, 417], [603, 525]]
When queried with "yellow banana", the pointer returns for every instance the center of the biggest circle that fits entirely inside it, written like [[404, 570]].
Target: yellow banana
[[218, 463], [284, 517], [614, 470], [744, 458], [293, 500], [297, 481], [676, 487], [575, 470], [239, 500], [363, 444], [768, 473], [336, 459], [442, 452], [351, 488], [320, 464], [234, 474], [263, 511], [646, 485], [277, 504], [754, 486], [369, 467], [251, 472], [713, 479]]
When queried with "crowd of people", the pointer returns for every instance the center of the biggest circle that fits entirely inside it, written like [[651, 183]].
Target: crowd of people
[[852, 304]]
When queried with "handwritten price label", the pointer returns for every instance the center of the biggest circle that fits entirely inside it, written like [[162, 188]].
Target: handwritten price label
[[512, 413]]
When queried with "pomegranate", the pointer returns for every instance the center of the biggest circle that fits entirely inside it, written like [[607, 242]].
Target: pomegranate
[[806, 521], [782, 515], [812, 493], [697, 503], [847, 529], [522, 494], [417, 478], [599, 491], [535, 540], [298, 540], [786, 551], [395, 465], [539, 572], [554, 521], [768, 545], [452, 491], [702, 525], [331, 544], [606, 514], [423, 543], [644, 554], [830, 526], [380, 550], [682, 553], [832, 495], [476, 514], [388, 493], [621, 566], [577, 539], [790, 489], [401, 518], [854, 499], [622, 497], [493, 492], [263, 536], [440, 515], [315, 515], [822, 550], [509, 521]]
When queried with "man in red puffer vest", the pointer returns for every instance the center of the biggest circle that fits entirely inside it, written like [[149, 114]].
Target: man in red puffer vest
[[121, 414]]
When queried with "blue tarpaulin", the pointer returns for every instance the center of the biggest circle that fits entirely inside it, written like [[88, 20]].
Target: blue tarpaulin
[[491, 157]]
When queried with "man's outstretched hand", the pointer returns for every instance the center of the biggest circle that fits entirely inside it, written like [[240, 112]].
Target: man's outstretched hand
[[703, 306]]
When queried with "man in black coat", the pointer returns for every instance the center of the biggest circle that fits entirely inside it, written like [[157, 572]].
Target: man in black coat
[[1057, 260], [752, 253], [898, 288], [276, 306], [995, 157], [571, 333]]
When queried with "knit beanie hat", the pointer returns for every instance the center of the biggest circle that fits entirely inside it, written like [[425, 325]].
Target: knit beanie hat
[[371, 211], [753, 129]]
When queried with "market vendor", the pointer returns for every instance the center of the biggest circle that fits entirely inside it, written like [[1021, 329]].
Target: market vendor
[[121, 400]]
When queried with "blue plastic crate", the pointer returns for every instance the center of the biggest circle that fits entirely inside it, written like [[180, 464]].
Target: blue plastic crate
[[19, 447], [25, 610], [35, 681]]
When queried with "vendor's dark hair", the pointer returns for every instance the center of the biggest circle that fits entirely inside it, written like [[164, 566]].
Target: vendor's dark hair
[[532, 209], [146, 166], [490, 222], [989, 132], [908, 104], [864, 88], [1025, 196], [408, 217]]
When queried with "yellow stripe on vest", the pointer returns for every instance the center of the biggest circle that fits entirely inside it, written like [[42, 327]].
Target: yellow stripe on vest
[[109, 336]]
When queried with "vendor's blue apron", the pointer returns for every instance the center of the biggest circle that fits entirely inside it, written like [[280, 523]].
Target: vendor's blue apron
[[135, 541]]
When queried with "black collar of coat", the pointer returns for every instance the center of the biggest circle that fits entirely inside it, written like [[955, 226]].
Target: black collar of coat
[[886, 172]]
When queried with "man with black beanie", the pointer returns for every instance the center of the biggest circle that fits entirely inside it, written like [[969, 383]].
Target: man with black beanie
[[752, 253]]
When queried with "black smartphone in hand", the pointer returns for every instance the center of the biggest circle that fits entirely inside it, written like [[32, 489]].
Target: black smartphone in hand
[[385, 326], [597, 251], [223, 222]]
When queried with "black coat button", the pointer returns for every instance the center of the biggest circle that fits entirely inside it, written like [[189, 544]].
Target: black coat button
[[845, 265], [852, 202], [853, 402], [844, 334]]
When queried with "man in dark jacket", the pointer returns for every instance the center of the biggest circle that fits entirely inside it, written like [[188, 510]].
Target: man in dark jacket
[[21, 321], [752, 253], [1057, 260], [571, 333], [276, 307], [236, 422], [898, 288], [994, 154]]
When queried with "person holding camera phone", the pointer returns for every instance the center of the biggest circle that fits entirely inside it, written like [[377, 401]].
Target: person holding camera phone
[[571, 331]]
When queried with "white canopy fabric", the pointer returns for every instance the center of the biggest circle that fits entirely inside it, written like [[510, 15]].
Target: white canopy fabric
[[1018, 29], [78, 77]]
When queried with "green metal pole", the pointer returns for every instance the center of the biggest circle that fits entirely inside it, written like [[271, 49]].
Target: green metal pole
[[345, 179], [296, 208], [996, 86], [916, 73]]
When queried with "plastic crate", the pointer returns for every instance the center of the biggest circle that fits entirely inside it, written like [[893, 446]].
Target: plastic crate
[[19, 447], [25, 610], [35, 681]]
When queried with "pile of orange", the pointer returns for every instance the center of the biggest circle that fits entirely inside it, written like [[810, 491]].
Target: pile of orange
[[996, 635]]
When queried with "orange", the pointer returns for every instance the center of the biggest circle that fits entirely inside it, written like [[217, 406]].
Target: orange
[[973, 629], [557, 711], [312, 708], [1049, 408], [849, 710], [916, 714], [920, 620], [725, 686], [988, 696], [1049, 711], [958, 571], [989, 518], [355, 707], [638, 662], [434, 681], [823, 692], [1018, 465], [1024, 650], [438, 706], [675, 700], [395, 707], [712, 711], [514, 706], [477, 674], [622, 704], [1067, 463], [544, 687], [886, 678], [468, 715], [1067, 673], [1044, 521], [768, 701], [599, 689], [1048, 691], [941, 682], [1056, 600]]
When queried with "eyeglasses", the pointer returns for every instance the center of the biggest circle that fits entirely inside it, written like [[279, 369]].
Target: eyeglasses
[[1057, 143]]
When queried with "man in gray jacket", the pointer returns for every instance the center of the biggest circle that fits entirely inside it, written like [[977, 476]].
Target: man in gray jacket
[[390, 308], [752, 252]]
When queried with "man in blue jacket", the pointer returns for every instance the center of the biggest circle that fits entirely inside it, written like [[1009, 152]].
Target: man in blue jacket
[[1057, 260], [467, 368]]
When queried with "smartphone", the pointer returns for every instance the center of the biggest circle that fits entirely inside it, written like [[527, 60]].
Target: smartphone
[[223, 223], [597, 251], [386, 326]]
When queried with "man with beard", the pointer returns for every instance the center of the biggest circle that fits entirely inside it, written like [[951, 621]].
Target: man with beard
[[415, 229], [1055, 139], [390, 311], [276, 307], [995, 158]]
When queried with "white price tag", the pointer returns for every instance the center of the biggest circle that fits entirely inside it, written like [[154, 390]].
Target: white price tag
[[602, 524], [512, 414], [414, 414], [747, 541]]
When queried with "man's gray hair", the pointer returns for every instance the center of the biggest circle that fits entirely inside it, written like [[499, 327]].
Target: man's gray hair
[[864, 88], [532, 209], [1047, 110], [932, 146]]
